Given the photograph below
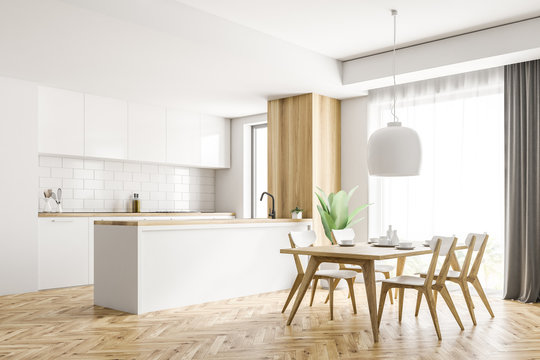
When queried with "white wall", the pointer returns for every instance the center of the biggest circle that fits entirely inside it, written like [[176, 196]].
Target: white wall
[[106, 185], [354, 158], [233, 186], [18, 181]]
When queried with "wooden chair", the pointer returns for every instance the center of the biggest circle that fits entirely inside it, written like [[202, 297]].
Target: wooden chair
[[305, 239], [380, 268], [474, 242], [441, 246]]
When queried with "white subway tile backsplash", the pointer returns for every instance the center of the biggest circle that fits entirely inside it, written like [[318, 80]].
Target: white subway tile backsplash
[[149, 169], [83, 194], [132, 167], [166, 187], [149, 186], [62, 173], [97, 185], [50, 183], [141, 177], [114, 185], [114, 165], [103, 194], [70, 163], [94, 165], [103, 175], [50, 161], [83, 174], [167, 170], [94, 184], [73, 184], [122, 176], [132, 186]]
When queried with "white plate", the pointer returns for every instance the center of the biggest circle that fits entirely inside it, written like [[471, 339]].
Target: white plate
[[404, 248], [380, 245]]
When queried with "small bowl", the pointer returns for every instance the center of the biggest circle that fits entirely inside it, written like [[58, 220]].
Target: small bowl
[[405, 244]]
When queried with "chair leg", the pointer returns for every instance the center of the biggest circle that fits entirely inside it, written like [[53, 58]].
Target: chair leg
[[331, 295], [294, 287], [435, 297], [480, 291], [401, 296], [387, 276], [336, 281], [313, 289], [468, 300], [431, 304], [350, 282], [384, 291], [446, 296], [418, 301]]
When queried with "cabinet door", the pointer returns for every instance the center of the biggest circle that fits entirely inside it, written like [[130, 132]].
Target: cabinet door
[[183, 137], [61, 121], [147, 134], [105, 127], [63, 252], [215, 142]]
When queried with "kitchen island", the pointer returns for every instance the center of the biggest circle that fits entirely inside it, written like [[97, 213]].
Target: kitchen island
[[143, 266]]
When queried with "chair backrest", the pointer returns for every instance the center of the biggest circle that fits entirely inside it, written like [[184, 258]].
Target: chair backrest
[[301, 239], [479, 246], [343, 234], [441, 246], [480, 238]]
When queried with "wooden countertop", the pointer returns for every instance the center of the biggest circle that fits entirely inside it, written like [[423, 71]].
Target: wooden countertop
[[200, 222], [121, 214]]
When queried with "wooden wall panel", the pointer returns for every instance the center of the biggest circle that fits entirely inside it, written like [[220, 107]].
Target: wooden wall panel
[[304, 151], [290, 154]]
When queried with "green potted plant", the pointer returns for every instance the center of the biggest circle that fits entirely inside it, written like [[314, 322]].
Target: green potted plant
[[297, 213], [334, 211]]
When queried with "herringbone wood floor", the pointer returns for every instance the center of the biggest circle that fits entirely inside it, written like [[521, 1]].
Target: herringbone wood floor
[[64, 324]]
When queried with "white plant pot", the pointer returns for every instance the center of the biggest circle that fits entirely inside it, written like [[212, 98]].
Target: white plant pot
[[297, 215]]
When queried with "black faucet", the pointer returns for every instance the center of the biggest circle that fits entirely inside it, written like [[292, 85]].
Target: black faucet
[[273, 212]]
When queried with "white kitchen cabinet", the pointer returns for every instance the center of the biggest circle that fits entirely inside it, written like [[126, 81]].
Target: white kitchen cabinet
[[183, 137], [105, 127], [147, 135], [63, 252], [61, 121], [215, 142]]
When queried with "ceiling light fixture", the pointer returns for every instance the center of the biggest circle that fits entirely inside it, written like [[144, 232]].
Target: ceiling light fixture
[[394, 150]]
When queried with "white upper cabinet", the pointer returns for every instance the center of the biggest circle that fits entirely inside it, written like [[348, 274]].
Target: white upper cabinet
[[61, 122], [147, 133], [183, 137], [215, 141], [105, 127]]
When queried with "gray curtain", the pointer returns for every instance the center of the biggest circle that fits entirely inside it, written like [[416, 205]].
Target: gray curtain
[[522, 181]]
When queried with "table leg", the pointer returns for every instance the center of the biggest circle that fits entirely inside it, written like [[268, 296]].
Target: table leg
[[310, 271], [368, 270], [399, 270]]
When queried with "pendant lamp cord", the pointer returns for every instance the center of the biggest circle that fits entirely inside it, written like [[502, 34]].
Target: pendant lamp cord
[[394, 14]]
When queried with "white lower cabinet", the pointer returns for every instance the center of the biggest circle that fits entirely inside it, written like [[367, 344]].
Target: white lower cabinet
[[63, 252]]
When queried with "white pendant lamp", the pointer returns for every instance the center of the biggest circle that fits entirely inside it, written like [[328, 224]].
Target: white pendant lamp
[[394, 150]]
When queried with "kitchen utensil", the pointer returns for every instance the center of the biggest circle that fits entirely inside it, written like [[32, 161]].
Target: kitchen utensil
[[53, 195], [45, 194], [59, 194]]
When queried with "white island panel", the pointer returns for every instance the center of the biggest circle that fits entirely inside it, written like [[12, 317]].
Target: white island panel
[[180, 265]]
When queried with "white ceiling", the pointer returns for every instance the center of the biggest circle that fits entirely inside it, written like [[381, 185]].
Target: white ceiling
[[344, 29], [225, 58]]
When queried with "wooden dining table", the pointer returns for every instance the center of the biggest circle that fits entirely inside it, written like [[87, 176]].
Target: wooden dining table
[[363, 255]]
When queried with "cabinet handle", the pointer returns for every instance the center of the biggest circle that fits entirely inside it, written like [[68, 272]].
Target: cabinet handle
[[61, 220]]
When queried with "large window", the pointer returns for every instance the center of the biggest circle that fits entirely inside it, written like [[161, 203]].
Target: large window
[[259, 170], [461, 186]]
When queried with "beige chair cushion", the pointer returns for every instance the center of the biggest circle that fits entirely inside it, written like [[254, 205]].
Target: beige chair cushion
[[406, 280], [337, 274], [378, 267]]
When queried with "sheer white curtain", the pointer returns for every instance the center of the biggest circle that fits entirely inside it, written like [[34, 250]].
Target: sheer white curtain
[[461, 186]]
